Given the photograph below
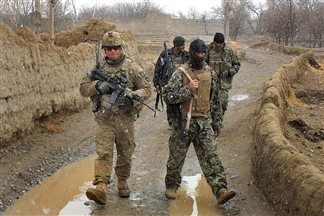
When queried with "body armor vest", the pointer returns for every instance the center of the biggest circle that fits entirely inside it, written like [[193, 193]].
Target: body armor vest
[[177, 61], [201, 100], [216, 60], [123, 70]]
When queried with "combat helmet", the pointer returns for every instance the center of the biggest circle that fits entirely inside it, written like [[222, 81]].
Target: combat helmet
[[111, 39]]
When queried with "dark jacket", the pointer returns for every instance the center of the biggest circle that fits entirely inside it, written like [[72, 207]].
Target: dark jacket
[[161, 75]]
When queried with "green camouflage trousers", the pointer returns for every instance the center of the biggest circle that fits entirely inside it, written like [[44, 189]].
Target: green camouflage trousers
[[223, 101], [113, 129], [201, 135]]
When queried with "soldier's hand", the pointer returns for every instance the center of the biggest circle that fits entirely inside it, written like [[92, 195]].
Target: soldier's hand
[[217, 133], [95, 76], [157, 88], [102, 87], [194, 84], [225, 73], [128, 92]]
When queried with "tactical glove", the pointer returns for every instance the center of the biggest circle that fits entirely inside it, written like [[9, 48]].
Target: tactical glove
[[129, 93], [225, 73], [102, 87]]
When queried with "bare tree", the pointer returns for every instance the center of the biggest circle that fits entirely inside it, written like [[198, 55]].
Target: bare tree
[[12, 9], [52, 4], [258, 10], [193, 13], [74, 13], [38, 16], [239, 15], [180, 15], [127, 10], [313, 21], [227, 6], [204, 16], [282, 20]]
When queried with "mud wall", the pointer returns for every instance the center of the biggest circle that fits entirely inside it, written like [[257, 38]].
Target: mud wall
[[163, 25], [292, 185], [39, 79]]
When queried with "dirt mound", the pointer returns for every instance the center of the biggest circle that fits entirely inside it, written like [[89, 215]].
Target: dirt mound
[[93, 30], [288, 160]]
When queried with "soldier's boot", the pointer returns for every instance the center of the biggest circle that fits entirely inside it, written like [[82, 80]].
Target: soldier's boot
[[123, 189], [171, 193], [98, 194], [224, 196]]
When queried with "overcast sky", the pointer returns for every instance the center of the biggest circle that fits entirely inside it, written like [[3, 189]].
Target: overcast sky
[[171, 7]]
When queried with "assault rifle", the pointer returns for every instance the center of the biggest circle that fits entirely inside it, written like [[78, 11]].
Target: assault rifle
[[163, 79], [116, 85], [176, 110]]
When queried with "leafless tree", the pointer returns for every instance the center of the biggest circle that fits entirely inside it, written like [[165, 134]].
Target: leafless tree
[[239, 15], [193, 13], [127, 10], [257, 16], [52, 4], [11, 11], [282, 20], [180, 15], [313, 21], [38, 16], [120, 10], [227, 6]]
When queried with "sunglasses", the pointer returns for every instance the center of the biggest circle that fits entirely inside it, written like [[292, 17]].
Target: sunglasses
[[115, 48]]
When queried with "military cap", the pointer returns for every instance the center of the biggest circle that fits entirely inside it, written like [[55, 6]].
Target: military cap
[[178, 41], [219, 38]]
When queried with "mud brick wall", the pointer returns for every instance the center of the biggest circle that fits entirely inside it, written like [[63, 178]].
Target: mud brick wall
[[39, 79]]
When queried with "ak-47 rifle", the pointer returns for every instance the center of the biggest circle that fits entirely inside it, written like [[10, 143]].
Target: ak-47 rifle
[[167, 73], [116, 85], [164, 77]]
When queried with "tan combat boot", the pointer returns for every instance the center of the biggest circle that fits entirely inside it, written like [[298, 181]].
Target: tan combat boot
[[171, 193], [224, 196], [123, 188], [98, 194]]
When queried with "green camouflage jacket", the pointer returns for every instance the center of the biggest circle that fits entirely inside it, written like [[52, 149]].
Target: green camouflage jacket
[[174, 92], [230, 62]]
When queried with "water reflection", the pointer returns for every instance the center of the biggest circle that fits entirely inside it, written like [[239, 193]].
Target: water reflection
[[64, 194], [239, 97], [77, 206], [54, 195], [195, 198]]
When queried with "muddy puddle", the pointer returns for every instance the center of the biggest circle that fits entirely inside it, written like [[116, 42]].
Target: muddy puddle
[[64, 194], [239, 97]]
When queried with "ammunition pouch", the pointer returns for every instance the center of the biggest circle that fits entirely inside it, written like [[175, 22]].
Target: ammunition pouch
[[122, 103]]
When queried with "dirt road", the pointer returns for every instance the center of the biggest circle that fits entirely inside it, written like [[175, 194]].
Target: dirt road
[[27, 163]]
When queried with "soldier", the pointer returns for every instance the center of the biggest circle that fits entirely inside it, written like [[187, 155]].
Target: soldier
[[225, 62], [177, 55], [115, 122], [196, 87]]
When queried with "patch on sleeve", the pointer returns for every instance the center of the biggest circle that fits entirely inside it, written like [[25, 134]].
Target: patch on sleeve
[[143, 74]]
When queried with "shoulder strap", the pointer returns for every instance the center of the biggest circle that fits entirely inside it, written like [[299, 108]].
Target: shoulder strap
[[185, 72]]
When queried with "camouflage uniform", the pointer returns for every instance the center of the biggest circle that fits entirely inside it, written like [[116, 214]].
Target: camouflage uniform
[[225, 59], [161, 79], [116, 125], [200, 132]]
